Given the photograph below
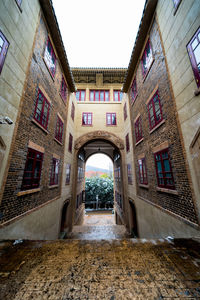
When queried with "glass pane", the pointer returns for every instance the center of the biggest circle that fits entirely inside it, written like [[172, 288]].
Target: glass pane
[[29, 166], [82, 95], [164, 155], [108, 119], [39, 104], [102, 96], [77, 95], [197, 54], [159, 166], [194, 44], [1, 43], [106, 95], [37, 169], [113, 119], [97, 95], [92, 96], [168, 175]]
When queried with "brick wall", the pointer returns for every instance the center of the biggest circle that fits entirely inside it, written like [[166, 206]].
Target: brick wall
[[181, 204], [38, 76]]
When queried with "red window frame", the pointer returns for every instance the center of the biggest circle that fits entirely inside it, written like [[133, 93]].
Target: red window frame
[[80, 95], [138, 129], [127, 143], [133, 91], [193, 45], [4, 44], [70, 143], [73, 111], [109, 119], [55, 166], [142, 171], [59, 129], [100, 95], [164, 171], [63, 89], [147, 59], [118, 95], [154, 111], [42, 108], [50, 57], [129, 174], [68, 173], [86, 117], [125, 111], [32, 170]]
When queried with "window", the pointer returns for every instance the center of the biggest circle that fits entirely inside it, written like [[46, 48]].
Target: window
[[73, 111], [111, 119], [127, 143], [19, 2], [147, 59], [176, 3], [70, 143], [80, 95], [68, 172], [99, 95], [50, 58], [54, 171], [59, 129], [129, 173], [32, 171], [142, 171], [87, 118], [41, 114], [154, 110], [194, 54], [117, 96], [133, 92], [63, 89], [138, 129], [125, 112], [164, 170], [4, 44]]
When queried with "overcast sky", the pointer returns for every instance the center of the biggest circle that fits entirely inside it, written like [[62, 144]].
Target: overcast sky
[[99, 161], [98, 33]]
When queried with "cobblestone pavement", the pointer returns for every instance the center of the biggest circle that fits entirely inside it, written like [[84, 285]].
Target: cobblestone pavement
[[101, 269]]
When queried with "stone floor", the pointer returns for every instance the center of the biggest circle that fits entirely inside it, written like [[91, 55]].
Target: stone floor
[[115, 269]]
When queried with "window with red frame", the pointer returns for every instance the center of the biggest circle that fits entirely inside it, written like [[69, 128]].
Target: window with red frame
[[68, 172], [42, 107], [32, 171], [54, 171], [87, 118], [142, 171], [50, 57], [176, 3], [59, 129], [70, 143], [99, 95], [111, 119], [73, 111], [138, 129], [4, 44], [154, 111], [164, 169], [194, 54], [147, 59], [117, 95], [133, 92], [63, 89], [125, 111], [80, 95], [129, 173], [127, 143]]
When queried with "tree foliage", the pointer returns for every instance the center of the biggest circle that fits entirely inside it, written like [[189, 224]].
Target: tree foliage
[[101, 187]]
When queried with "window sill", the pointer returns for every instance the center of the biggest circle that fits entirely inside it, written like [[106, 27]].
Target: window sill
[[148, 70], [63, 100], [139, 142], [58, 141], [165, 190], [111, 125], [87, 125], [145, 186], [53, 186], [40, 126], [197, 92], [53, 78], [157, 126], [22, 193]]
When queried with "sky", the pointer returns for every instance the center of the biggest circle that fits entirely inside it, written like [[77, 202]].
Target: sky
[[98, 33], [99, 161]]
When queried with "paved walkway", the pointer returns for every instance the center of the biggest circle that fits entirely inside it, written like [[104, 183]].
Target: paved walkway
[[111, 270]]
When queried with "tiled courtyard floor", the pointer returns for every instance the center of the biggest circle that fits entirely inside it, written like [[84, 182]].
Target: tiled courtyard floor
[[101, 269]]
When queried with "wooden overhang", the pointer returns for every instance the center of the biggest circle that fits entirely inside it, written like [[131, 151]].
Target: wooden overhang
[[50, 17], [145, 23]]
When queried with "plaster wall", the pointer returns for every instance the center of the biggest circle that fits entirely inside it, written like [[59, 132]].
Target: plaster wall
[[154, 223], [13, 75], [177, 29]]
